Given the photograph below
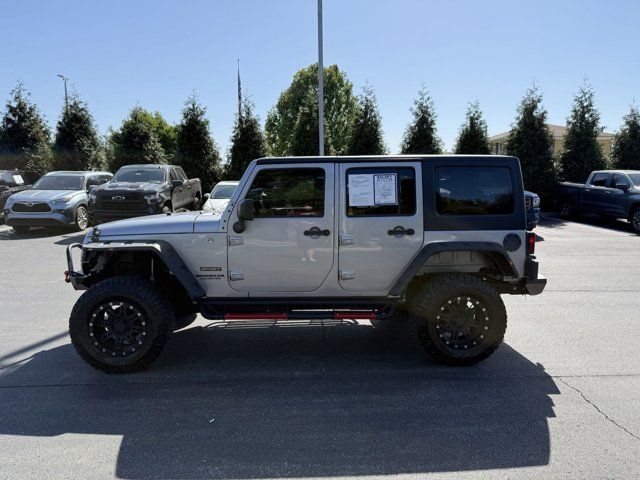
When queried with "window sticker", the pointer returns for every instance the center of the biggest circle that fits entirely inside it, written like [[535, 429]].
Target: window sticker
[[361, 190], [18, 179], [385, 187]]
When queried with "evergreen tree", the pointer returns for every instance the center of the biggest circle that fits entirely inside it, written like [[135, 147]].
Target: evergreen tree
[[24, 135], [77, 145], [581, 151], [626, 145], [196, 152], [421, 136], [135, 142], [531, 141], [298, 101], [473, 138], [366, 134], [247, 142]]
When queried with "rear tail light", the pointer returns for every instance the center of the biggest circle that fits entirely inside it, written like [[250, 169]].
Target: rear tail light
[[531, 243]]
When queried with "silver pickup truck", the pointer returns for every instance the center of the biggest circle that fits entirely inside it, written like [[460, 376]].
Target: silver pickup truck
[[610, 193], [436, 239]]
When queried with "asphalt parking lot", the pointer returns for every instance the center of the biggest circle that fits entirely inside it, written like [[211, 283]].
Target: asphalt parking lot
[[560, 399]]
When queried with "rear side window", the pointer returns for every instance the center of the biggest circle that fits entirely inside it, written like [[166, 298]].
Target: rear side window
[[381, 191], [295, 192], [600, 179], [474, 191]]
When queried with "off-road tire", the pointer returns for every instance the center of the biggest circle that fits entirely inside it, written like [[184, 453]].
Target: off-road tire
[[183, 321], [155, 309], [433, 296], [82, 221], [634, 219]]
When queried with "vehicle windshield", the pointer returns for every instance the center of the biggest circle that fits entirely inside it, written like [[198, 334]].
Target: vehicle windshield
[[59, 182], [139, 175], [223, 191], [11, 179], [635, 178]]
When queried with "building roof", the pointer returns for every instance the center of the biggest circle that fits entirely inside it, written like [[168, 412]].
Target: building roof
[[558, 131]]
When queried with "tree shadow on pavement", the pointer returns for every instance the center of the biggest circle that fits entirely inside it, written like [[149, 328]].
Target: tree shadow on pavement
[[618, 225], [248, 400]]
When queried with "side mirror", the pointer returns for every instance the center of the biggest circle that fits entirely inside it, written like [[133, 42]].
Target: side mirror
[[176, 184], [246, 211], [91, 187], [207, 196], [622, 186]]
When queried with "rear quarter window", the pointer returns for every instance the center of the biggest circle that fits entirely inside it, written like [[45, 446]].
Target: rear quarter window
[[474, 191]]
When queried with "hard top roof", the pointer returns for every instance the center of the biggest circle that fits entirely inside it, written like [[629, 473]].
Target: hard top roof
[[376, 158]]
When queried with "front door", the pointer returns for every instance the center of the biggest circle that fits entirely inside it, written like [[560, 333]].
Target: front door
[[381, 224], [289, 245], [594, 194]]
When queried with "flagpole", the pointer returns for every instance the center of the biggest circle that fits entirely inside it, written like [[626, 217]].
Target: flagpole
[[320, 83]]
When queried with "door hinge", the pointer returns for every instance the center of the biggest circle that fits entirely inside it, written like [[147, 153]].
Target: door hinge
[[235, 241], [235, 276], [347, 240], [347, 274]]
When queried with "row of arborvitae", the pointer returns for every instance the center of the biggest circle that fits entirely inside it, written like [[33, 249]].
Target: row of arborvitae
[[353, 127]]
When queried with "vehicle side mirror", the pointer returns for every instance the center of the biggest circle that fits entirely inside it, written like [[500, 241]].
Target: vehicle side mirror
[[176, 184], [622, 186], [91, 187], [207, 196], [246, 211]]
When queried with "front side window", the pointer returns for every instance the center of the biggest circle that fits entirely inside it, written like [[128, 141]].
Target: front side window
[[474, 191], [600, 179], [297, 192], [619, 181], [381, 191]]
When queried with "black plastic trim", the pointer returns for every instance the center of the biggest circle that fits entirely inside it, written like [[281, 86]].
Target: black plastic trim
[[167, 254], [496, 251]]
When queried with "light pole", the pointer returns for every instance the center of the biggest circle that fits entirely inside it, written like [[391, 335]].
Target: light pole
[[320, 83], [66, 97]]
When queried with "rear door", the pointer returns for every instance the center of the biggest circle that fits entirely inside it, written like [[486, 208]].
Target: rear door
[[380, 223], [594, 195], [178, 194]]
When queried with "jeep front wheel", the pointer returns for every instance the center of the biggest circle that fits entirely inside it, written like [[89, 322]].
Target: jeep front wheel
[[121, 324], [461, 319]]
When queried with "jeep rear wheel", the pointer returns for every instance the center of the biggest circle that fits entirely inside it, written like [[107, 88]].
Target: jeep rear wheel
[[121, 324], [461, 319]]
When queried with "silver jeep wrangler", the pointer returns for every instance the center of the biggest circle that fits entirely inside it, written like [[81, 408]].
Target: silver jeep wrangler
[[433, 239]]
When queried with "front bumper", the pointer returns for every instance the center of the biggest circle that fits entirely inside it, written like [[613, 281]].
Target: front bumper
[[75, 278], [56, 217]]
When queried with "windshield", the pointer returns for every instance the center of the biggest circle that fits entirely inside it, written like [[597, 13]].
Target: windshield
[[223, 191], [139, 175], [635, 178], [59, 182], [11, 179]]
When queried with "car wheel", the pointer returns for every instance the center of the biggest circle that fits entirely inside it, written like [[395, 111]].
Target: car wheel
[[167, 209], [82, 218], [197, 204], [634, 219], [566, 211], [460, 319], [121, 324]]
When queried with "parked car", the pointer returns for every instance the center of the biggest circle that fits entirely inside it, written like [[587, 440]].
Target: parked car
[[138, 190], [610, 193], [56, 199], [434, 239], [217, 200], [532, 203], [14, 181]]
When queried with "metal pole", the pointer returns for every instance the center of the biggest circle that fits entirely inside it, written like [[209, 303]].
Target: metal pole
[[320, 83], [66, 96]]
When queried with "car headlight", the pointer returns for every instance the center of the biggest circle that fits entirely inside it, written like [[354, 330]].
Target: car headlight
[[152, 197], [63, 200], [536, 201]]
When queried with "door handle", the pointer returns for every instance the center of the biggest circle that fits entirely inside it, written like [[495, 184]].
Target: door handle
[[401, 231], [316, 232]]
